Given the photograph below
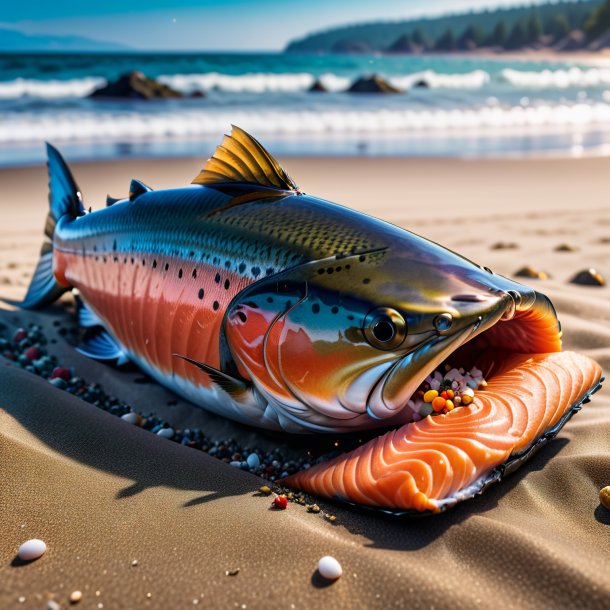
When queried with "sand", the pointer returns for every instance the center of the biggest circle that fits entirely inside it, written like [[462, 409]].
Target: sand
[[102, 493]]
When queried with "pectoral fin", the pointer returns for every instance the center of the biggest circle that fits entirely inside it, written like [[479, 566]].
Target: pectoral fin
[[233, 386]]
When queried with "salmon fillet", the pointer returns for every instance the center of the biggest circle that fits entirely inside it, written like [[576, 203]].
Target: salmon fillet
[[422, 466]]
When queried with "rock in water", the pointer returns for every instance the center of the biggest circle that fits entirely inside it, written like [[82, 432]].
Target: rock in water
[[589, 277], [531, 273], [318, 87], [329, 568], [421, 84], [372, 84], [135, 85], [32, 549]]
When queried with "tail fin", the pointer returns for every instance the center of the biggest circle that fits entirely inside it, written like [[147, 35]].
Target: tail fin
[[64, 199]]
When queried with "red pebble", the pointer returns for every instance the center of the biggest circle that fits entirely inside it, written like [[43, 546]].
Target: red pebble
[[19, 335], [31, 353], [280, 502], [61, 372]]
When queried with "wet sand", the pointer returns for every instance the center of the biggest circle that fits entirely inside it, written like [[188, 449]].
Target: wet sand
[[102, 493]]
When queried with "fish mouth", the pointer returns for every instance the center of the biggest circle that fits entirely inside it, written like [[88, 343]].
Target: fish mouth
[[532, 389], [514, 322]]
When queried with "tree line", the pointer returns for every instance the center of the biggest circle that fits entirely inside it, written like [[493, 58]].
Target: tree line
[[504, 28], [529, 31]]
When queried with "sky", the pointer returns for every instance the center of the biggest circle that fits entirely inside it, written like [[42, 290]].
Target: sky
[[213, 25]]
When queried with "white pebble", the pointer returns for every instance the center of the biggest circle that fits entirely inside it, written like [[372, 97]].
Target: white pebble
[[131, 418], [53, 605], [329, 568], [253, 461], [166, 432], [32, 549], [75, 597]]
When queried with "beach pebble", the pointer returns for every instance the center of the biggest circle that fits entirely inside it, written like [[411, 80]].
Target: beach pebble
[[32, 549], [589, 277], [329, 568], [61, 373], [20, 335], [253, 461], [566, 248], [53, 605], [531, 273], [504, 245], [131, 418], [31, 353], [604, 496], [75, 597], [166, 432]]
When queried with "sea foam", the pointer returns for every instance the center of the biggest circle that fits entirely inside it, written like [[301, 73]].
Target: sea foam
[[76, 126]]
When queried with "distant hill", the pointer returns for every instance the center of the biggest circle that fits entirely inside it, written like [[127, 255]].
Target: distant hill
[[12, 41], [512, 27]]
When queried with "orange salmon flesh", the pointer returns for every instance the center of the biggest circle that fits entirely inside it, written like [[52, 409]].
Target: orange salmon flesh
[[420, 465]]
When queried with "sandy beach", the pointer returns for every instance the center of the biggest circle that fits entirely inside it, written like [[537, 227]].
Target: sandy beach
[[133, 520]]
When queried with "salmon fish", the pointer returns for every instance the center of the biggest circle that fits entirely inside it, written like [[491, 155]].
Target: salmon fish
[[286, 312]]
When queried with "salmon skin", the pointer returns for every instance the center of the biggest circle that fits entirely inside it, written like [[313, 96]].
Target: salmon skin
[[286, 312]]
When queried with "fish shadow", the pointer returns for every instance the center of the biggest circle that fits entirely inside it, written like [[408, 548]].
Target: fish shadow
[[414, 532], [85, 433]]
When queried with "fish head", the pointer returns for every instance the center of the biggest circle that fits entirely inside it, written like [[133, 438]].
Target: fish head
[[343, 343]]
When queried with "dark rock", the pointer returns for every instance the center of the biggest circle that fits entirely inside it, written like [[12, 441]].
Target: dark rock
[[372, 84], [318, 87], [531, 273], [197, 94], [135, 85], [589, 277], [421, 84]]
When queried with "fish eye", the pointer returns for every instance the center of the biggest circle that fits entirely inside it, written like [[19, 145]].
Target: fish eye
[[384, 328]]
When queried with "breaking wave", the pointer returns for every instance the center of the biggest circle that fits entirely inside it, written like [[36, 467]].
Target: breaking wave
[[557, 79], [49, 89], [196, 123], [243, 83]]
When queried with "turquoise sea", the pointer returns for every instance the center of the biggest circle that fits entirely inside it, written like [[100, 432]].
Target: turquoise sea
[[451, 106]]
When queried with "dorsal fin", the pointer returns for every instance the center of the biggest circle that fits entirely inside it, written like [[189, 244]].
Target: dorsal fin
[[241, 158], [111, 200], [137, 188]]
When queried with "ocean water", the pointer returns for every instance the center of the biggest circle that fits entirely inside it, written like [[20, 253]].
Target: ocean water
[[470, 107]]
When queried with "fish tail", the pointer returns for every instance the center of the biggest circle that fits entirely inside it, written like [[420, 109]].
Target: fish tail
[[64, 200]]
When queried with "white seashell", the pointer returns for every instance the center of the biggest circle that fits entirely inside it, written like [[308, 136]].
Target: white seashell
[[166, 432], [32, 549], [329, 568]]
